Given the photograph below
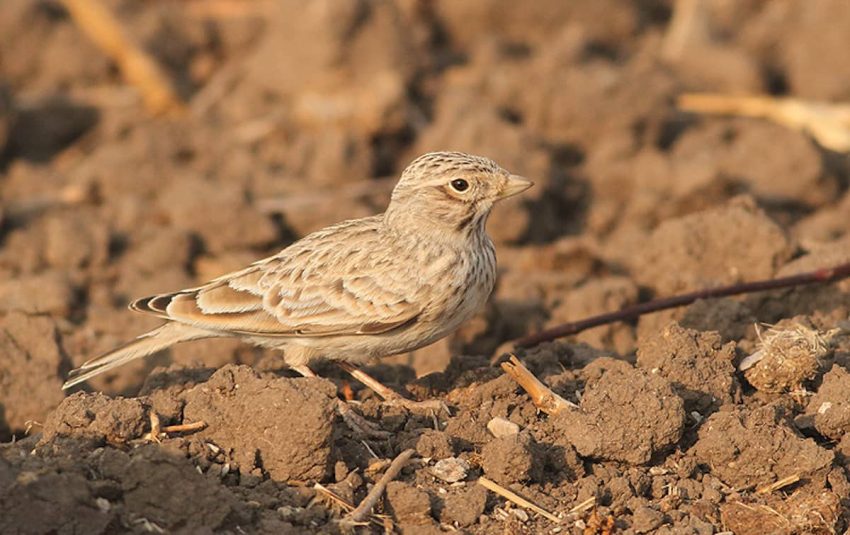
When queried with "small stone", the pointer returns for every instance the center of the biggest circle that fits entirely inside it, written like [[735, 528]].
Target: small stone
[[520, 514], [103, 504], [450, 470], [500, 427], [340, 471], [288, 512]]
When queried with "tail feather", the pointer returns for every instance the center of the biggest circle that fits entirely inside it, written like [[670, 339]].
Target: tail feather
[[156, 340]]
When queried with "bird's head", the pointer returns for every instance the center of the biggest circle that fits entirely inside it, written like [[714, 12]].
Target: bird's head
[[451, 191]]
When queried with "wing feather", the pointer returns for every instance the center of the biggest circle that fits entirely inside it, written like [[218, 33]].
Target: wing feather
[[329, 283]]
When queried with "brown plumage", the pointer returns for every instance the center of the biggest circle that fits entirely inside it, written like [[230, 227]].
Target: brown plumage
[[357, 290]]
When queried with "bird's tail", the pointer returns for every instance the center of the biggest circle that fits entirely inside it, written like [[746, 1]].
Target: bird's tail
[[156, 340]]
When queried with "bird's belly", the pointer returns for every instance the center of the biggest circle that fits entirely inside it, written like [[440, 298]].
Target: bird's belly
[[427, 330], [439, 319], [373, 346]]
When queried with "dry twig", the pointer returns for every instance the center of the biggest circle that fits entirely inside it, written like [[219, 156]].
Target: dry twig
[[138, 67], [332, 496], [687, 24], [358, 423], [828, 123], [583, 506], [517, 499], [822, 275], [21, 211], [365, 508], [542, 397], [157, 429], [781, 484], [184, 428], [227, 9]]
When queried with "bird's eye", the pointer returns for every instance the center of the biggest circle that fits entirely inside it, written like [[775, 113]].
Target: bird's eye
[[459, 184]]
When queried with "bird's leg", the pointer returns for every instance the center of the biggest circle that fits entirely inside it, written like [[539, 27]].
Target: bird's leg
[[355, 421], [390, 396], [304, 370], [358, 423]]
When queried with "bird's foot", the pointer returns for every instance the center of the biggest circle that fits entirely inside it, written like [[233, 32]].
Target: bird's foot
[[358, 423], [393, 398], [428, 406]]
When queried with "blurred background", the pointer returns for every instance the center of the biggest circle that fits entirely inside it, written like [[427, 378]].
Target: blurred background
[[148, 145]]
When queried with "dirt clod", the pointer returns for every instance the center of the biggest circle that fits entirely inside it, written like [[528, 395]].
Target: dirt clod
[[48, 292], [98, 418], [695, 251], [804, 512], [698, 365], [30, 358], [26, 495], [434, 444], [830, 406], [408, 504], [148, 472], [294, 417], [510, 459], [758, 447], [465, 507], [615, 409], [647, 519]]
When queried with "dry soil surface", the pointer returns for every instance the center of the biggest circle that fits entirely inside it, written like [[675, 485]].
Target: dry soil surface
[[299, 115]]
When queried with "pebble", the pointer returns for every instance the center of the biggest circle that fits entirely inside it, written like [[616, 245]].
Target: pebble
[[500, 427], [450, 469]]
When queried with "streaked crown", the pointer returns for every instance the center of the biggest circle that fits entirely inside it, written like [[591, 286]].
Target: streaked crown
[[450, 191], [438, 163]]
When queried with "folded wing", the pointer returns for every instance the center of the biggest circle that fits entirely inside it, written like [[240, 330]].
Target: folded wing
[[315, 288]]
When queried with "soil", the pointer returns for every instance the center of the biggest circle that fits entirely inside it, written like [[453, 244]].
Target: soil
[[301, 115]]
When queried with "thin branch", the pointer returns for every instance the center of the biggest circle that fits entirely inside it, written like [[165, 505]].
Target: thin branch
[[226, 9], [333, 497], [782, 483], [542, 397], [827, 122], [516, 498], [137, 66], [687, 25], [184, 428], [365, 508], [583, 506], [823, 275]]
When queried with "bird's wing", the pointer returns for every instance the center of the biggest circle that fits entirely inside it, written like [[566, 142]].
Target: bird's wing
[[334, 282]]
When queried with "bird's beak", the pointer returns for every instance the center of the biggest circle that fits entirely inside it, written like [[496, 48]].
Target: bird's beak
[[515, 184]]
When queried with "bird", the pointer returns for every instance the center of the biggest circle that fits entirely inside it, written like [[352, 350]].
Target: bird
[[357, 290]]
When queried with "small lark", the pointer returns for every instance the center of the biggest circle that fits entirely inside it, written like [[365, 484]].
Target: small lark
[[355, 291]]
